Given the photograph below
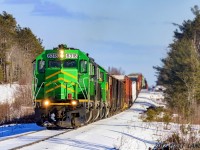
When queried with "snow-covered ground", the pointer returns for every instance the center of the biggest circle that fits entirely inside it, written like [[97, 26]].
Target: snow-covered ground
[[7, 131], [7, 92], [124, 131]]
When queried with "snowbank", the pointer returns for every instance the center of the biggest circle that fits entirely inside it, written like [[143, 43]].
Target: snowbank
[[7, 92]]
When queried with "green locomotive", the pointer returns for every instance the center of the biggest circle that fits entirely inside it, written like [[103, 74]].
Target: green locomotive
[[69, 88]]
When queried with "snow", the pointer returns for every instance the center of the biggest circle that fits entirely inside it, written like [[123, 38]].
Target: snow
[[7, 92], [16, 129], [124, 131]]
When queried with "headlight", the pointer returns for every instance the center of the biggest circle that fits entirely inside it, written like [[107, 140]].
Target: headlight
[[74, 102], [46, 103], [61, 53]]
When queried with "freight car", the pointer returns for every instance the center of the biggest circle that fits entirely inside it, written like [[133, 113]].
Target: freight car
[[141, 82], [71, 89], [127, 89]]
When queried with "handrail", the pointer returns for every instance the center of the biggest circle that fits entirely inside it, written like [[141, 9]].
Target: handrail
[[38, 91], [82, 90], [34, 86], [88, 96], [84, 85]]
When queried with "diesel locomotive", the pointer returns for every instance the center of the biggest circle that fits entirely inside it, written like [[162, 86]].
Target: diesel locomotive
[[71, 89]]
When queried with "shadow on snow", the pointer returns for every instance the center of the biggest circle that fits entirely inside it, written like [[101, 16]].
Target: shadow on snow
[[80, 144], [139, 139]]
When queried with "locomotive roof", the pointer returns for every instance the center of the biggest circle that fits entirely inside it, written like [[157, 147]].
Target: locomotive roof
[[71, 50]]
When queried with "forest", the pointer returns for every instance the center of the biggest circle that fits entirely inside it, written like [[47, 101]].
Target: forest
[[180, 70], [18, 47]]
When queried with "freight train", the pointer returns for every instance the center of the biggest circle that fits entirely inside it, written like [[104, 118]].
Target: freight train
[[70, 89]]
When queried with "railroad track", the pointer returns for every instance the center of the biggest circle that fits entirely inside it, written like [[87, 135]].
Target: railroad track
[[16, 136], [21, 141]]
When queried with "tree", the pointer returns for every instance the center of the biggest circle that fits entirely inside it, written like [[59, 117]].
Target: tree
[[115, 71], [30, 47], [14, 39], [180, 72], [7, 39]]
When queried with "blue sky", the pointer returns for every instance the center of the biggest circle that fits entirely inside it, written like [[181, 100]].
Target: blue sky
[[129, 34]]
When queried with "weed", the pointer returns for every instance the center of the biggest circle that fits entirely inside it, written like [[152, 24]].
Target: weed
[[157, 114]]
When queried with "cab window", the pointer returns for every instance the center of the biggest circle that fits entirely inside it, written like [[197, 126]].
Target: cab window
[[83, 66], [102, 76], [98, 73], [54, 64], [91, 69], [70, 64], [41, 66]]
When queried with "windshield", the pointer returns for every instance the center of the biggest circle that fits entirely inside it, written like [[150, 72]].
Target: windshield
[[54, 63], [69, 64]]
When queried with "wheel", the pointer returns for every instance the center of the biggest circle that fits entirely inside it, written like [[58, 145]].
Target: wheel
[[102, 112], [88, 116], [107, 111], [95, 114], [73, 123]]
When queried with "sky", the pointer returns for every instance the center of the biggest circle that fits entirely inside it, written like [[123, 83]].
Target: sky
[[131, 34]]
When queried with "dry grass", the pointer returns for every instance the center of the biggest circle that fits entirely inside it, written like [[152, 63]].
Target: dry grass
[[193, 118], [20, 110], [5, 112]]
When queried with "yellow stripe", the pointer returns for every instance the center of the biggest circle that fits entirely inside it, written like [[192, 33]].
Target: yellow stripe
[[58, 87], [63, 86], [56, 81], [59, 104], [70, 89], [83, 100], [67, 88], [38, 100], [52, 75], [80, 101], [68, 74], [53, 89]]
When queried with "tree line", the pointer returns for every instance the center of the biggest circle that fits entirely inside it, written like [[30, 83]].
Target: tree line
[[180, 70], [18, 48]]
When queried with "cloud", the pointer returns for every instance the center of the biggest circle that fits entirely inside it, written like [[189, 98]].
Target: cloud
[[49, 9], [54, 10], [21, 1]]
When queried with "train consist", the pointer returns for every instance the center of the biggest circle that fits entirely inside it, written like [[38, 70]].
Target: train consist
[[71, 89]]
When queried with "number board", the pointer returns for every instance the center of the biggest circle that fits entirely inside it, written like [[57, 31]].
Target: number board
[[72, 56], [52, 55]]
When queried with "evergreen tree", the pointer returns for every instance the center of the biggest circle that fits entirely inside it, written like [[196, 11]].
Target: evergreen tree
[[7, 39], [14, 39], [180, 72]]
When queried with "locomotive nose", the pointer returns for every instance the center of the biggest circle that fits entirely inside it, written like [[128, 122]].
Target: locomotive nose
[[61, 85]]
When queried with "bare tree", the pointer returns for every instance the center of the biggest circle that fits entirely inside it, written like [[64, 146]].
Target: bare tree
[[115, 71]]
